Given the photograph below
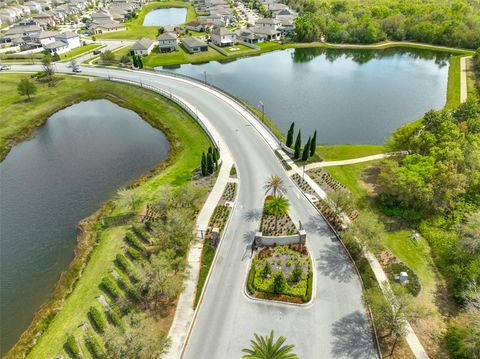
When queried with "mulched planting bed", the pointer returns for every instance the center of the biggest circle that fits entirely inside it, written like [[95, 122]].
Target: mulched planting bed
[[293, 263], [304, 186], [229, 194], [285, 225], [325, 181]]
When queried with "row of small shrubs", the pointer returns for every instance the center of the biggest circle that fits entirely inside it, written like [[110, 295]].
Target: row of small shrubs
[[114, 317], [97, 319], [308, 294], [122, 262], [94, 346], [72, 347], [133, 240], [108, 284], [134, 254], [142, 234], [251, 278], [131, 290]]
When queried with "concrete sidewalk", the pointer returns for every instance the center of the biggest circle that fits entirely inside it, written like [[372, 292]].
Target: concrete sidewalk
[[352, 161], [463, 79]]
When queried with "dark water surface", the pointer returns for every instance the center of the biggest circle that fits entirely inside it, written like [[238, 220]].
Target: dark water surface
[[48, 184], [166, 16], [348, 96]]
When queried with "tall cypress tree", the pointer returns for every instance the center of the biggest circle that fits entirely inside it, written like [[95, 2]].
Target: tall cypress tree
[[306, 150], [298, 146], [215, 158], [290, 134], [140, 62], [313, 144], [134, 59], [204, 164], [210, 168], [217, 152]]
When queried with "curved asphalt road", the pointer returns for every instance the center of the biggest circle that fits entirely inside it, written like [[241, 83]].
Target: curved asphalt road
[[335, 324]]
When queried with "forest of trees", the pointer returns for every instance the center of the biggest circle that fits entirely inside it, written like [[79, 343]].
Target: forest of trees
[[450, 23], [435, 185]]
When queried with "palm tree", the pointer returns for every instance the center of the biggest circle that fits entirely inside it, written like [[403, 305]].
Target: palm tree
[[277, 206], [274, 183], [266, 348]]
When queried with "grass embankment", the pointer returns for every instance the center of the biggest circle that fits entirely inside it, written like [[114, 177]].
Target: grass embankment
[[187, 140], [361, 180], [135, 26], [82, 50], [346, 152]]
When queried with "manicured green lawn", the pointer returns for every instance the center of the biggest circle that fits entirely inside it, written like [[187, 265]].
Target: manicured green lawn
[[180, 57], [345, 152], [350, 176], [188, 141], [237, 48], [135, 27], [79, 51]]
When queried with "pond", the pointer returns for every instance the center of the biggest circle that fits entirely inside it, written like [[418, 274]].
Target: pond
[[76, 161], [348, 96], [165, 16]]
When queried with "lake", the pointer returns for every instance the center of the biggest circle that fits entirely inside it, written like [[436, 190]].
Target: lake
[[348, 96], [76, 161], [165, 16]]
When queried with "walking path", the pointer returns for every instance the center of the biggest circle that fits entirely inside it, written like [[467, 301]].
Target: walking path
[[463, 79], [352, 161], [413, 342]]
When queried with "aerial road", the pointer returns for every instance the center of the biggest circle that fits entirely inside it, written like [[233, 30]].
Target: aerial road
[[334, 324]]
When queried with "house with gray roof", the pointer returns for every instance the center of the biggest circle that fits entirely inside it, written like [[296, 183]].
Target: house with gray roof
[[221, 36], [142, 47], [167, 42], [192, 45]]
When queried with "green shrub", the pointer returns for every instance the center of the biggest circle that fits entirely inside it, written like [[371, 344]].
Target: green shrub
[[94, 346], [251, 278], [279, 283], [134, 254], [97, 319], [122, 262], [72, 347], [108, 285], [133, 240], [142, 234], [115, 317], [308, 295]]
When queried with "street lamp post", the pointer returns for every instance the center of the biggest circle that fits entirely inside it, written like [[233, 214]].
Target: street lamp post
[[263, 111], [205, 76]]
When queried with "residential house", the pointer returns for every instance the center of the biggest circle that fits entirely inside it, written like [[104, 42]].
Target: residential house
[[167, 42], [34, 6], [58, 47], [268, 27], [199, 26], [221, 36], [105, 26], [70, 38], [43, 38], [142, 47], [193, 45], [247, 35]]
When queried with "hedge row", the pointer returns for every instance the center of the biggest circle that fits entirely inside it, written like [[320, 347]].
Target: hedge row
[[142, 234], [122, 262], [115, 317], [134, 254], [109, 285], [97, 318], [93, 346], [308, 295], [251, 278], [134, 241], [72, 347]]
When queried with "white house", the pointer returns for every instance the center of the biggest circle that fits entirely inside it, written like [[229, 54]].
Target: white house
[[142, 47], [58, 47], [45, 37], [167, 42], [221, 36], [269, 28], [70, 38]]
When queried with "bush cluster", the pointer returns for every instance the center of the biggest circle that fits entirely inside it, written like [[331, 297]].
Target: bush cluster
[[108, 284], [122, 262], [134, 254], [134, 241], [72, 347], [97, 318], [93, 346]]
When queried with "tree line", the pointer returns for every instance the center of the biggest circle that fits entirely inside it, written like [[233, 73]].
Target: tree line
[[455, 23], [434, 184], [309, 148]]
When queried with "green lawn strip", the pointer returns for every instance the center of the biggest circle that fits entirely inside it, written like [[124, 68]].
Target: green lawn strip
[[135, 26], [345, 152], [349, 176], [208, 253], [181, 56], [471, 80], [453, 87], [82, 50], [177, 170]]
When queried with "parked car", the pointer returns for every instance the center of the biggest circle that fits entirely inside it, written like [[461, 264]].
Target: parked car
[[77, 69], [5, 67], [97, 52]]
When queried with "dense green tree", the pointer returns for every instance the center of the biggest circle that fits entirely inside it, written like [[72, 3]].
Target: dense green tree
[[297, 272], [279, 283], [107, 57], [298, 146], [290, 134], [266, 270], [210, 163], [266, 348], [306, 150], [135, 61], [204, 164], [313, 144], [26, 87]]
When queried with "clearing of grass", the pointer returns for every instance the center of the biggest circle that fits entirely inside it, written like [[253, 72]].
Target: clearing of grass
[[20, 120], [346, 152], [181, 56], [135, 28], [82, 50]]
